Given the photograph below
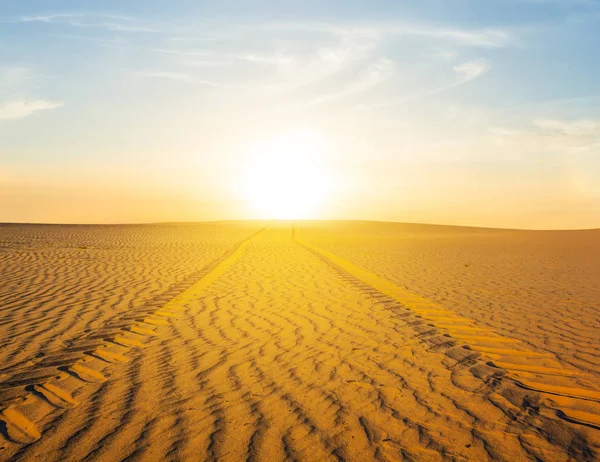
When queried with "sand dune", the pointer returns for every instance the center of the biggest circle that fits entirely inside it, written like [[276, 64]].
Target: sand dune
[[347, 341]]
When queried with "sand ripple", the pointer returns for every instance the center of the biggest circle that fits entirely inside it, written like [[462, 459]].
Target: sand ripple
[[282, 354]]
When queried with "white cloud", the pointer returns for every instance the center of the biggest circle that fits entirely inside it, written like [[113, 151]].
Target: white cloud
[[465, 72], [564, 137], [69, 17], [373, 76], [446, 54], [178, 76], [471, 70], [211, 57], [18, 109], [120, 27], [487, 37], [107, 21], [185, 78], [289, 65], [574, 145], [315, 62], [42, 18], [363, 30], [343, 57], [577, 127]]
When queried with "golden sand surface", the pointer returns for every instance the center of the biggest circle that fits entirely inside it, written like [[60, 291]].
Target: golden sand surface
[[58, 284], [323, 341], [541, 287]]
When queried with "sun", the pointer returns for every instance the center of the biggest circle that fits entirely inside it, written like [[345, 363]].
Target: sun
[[285, 177]]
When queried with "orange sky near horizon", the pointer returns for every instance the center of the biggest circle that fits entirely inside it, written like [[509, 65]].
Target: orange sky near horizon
[[96, 197]]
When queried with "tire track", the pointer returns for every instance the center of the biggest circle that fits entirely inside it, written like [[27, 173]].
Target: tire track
[[39, 394], [572, 394], [59, 280]]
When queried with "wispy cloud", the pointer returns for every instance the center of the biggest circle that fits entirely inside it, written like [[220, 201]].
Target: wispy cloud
[[177, 76], [471, 70], [47, 18], [446, 54], [486, 38], [215, 57], [347, 57], [372, 77], [200, 39], [185, 78], [110, 22], [577, 127], [465, 72], [559, 136], [312, 61], [68, 17], [482, 37], [20, 108]]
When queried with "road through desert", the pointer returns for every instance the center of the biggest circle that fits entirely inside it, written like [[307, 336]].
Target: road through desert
[[309, 341]]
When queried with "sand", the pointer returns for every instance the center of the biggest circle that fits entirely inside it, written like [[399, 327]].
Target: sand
[[327, 341]]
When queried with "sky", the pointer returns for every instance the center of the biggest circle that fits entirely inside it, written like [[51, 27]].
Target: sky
[[472, 112]]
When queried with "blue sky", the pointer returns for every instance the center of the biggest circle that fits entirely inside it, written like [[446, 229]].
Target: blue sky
[[477, 112]]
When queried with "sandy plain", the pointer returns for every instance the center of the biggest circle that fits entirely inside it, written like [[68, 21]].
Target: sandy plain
[[306, 341]]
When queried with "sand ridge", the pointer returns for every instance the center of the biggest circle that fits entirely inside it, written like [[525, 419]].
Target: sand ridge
[[276, 353]]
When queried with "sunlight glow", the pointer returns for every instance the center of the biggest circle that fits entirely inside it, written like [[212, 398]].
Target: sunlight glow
[[286, 176]]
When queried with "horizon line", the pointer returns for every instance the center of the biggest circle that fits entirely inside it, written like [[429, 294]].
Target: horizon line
[[16, 223]]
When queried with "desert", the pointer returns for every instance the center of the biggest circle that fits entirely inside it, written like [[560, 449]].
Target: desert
[[334, 230], [299, 340]]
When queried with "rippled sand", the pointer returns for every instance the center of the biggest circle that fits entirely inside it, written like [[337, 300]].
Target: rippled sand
[[330, 341]]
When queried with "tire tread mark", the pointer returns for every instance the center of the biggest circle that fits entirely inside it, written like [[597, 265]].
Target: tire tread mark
[[43, 397], [575, 390]]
